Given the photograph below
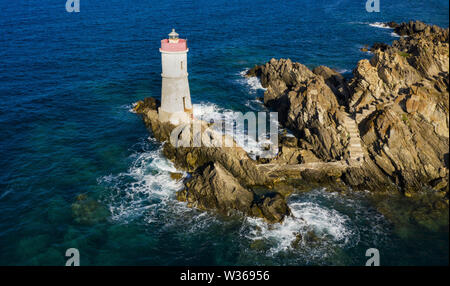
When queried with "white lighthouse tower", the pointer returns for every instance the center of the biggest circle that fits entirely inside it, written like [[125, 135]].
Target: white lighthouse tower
[[176, 105]]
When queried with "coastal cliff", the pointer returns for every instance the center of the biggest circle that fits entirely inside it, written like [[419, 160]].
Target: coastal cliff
[[385, 130], [399, 100]]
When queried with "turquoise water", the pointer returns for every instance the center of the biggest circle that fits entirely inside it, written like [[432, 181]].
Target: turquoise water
[[68, 82]]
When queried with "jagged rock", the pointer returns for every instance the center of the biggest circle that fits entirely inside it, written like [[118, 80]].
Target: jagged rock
[[273, 207], [176, 176], [418, 27], [408, 135], [147, 103], [335, 81], [399, 100], [213, 187], [379, 46], [306, 104], [221, 175], [401, 96]]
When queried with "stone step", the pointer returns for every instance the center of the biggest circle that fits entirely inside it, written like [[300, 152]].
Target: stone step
[[355, 150], [354, 147], [353, 156]]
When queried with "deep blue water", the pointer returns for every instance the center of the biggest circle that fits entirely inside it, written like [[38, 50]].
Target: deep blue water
[[68, 81]]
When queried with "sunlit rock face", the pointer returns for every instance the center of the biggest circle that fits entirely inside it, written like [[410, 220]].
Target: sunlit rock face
[[399, 99]]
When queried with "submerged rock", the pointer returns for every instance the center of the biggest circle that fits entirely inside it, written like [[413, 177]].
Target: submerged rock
[[86, 210]]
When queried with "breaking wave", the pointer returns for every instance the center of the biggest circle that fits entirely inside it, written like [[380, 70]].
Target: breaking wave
[[253, 83], [255, 105], [343, 71], [130, 107], [384, 26], [144, 188], [321, 223], [211, 112], [379, 25], [316, 229]]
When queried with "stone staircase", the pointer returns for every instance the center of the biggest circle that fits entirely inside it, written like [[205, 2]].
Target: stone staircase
[[369, 109], [355, 149], [364, 112]]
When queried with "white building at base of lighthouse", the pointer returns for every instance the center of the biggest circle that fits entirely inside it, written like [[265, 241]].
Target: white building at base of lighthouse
[[176, 106]]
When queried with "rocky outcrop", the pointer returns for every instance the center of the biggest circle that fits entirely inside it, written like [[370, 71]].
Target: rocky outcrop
[[222, 177], [414, 28], [307, 105], [399, 100], [419, 59], [385, 129], [213, 187], [406, 87]]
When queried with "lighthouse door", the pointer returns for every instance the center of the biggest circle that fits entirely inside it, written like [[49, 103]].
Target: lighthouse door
[[186, 109]]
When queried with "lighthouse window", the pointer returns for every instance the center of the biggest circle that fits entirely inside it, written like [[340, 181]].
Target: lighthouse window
[[181, 65]]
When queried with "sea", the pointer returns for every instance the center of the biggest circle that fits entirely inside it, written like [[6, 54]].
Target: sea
[[78, 169]]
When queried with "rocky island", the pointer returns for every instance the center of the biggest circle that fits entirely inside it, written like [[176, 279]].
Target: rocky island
[[386, 130]]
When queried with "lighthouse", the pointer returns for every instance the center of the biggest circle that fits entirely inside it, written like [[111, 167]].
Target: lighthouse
[[176, 106]]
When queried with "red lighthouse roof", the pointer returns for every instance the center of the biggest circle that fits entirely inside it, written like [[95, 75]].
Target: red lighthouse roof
[[173, 43], [166, 46]]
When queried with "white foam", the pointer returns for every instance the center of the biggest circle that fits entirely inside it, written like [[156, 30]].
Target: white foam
[[393, 34], [253, 83], [318, 214], [343, 71], [328, 225], [145, 186], [131, 107], [379, 25], [211, 112], [255, 104]]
